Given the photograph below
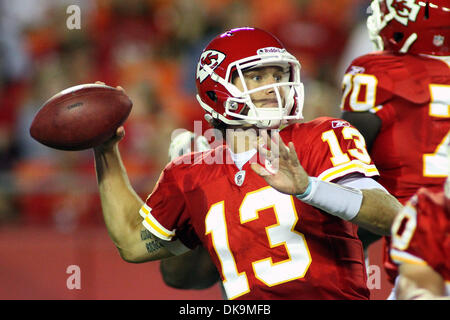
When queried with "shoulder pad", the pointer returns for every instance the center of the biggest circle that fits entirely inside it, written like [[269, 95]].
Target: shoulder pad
[[404, 76], [316, 126]]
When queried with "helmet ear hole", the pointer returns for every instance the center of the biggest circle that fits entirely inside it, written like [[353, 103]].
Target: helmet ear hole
[[427, 10], [398, 36], [212, 95]]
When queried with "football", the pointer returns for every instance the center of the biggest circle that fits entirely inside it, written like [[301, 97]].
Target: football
[[80, 117]]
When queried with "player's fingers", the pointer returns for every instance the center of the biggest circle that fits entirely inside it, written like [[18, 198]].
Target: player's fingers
[[108, 144], [120, 88], [270, 143], [263, 138], [279, 147], [120, 132], [259, 170], [270, 154], [118, 135], [266, 153], [293, 154]]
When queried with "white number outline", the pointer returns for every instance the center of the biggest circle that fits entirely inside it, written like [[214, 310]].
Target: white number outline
[[235, 283], [353, 83], [408, 214], [439, 100], [439, 107], [271, 274], [435, 164], [340, 157]]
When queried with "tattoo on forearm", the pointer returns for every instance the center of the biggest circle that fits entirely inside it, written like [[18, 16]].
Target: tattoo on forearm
[[145, 234], [152, 245]]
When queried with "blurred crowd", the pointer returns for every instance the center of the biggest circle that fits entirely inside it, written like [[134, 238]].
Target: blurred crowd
[[150, 48]]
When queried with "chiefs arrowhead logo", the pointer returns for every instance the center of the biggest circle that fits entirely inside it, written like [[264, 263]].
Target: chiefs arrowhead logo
[[210, 58], [403, 10]]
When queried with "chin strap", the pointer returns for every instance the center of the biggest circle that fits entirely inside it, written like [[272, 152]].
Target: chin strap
[[408, 42]]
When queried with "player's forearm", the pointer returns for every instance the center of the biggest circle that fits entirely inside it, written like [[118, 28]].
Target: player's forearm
[[373, 209], [407, 289], [377, 212], [192, 270], [120, 203], [420, 282], [120, 206]]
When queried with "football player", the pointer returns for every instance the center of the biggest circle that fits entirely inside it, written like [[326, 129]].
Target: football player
[[420, 245], [399, 96], [277, 210], [194, 269]]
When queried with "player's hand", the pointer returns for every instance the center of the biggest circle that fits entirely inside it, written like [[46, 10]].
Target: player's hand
[[113, 141], [120, 132], [288, 175]]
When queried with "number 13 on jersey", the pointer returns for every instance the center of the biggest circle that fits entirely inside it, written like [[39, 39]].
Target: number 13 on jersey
[[280, 234]]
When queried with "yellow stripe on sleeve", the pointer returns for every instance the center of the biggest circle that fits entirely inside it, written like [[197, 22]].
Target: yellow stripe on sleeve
[[153, 225], [352, 166], [159, 230], [400, 257]]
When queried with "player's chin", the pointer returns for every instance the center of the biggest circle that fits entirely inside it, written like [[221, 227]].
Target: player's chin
[[271, 105]]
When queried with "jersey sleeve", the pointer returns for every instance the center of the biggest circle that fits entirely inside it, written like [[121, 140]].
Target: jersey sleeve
[[334, 149], [418, 233], [366, 86], [164, 212], [404, 229], [372, 81]]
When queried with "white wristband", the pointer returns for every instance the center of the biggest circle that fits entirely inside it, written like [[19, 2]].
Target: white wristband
[[341, 201]]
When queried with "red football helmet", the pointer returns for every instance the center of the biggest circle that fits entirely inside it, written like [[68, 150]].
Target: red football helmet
[[412, 26], [225, 58]]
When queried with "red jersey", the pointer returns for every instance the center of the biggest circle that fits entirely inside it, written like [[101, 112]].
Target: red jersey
[[265, 244], [420, 233], [411, 96]]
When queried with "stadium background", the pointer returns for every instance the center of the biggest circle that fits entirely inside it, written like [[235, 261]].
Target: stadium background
[[50, 215]]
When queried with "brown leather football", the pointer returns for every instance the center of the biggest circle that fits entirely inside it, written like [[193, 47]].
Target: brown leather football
[[80, 117]]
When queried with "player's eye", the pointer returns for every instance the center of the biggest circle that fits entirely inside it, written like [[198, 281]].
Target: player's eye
[[282, 76]]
